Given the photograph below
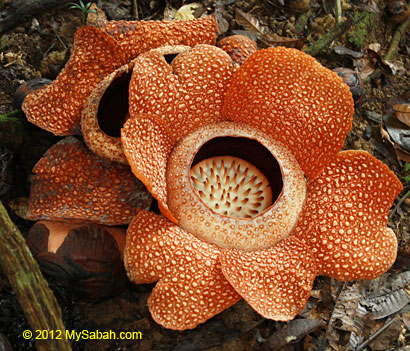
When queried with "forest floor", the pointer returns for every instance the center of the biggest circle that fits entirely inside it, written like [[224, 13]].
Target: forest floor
[[39, 44]]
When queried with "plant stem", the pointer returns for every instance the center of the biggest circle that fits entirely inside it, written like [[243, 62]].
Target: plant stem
[[33, 293], [135, 9], [338, 11]]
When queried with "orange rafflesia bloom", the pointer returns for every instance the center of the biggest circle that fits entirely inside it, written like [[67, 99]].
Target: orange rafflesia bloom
[[245, 163], [256, 196], [98, 52]]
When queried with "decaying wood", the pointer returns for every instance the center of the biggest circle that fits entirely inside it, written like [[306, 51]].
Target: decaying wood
[[33, 293], [18, 10]]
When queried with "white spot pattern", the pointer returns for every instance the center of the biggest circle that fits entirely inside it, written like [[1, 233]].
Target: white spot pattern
[[345, 216]]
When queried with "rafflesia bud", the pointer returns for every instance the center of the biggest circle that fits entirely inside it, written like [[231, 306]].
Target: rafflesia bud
[[84, 258]]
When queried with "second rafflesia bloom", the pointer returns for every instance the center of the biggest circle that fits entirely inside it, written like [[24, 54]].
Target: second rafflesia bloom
[[256, 195]]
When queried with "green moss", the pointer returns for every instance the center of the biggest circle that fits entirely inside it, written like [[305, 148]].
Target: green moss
[[12, 129], [358, 34], [3, 42]]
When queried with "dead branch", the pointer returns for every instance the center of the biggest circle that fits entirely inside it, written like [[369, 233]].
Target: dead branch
[[33, 293]]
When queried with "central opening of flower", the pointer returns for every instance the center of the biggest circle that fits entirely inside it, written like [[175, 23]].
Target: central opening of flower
[[232, 185], [236, 176], [170, 57], [113, 108]]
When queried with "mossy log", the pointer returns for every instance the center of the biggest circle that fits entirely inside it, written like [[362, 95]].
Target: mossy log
[[33, 293]]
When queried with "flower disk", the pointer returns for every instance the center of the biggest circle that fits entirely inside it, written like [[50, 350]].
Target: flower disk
[[195, 216], [231, 186]]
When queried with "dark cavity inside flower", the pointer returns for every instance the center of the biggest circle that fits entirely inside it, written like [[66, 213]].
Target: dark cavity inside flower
[[113, 107]]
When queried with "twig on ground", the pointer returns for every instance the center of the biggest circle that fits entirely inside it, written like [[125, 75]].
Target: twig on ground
[[33, 293], [323, 43], [389, 321], [135, 9], [338, 11], [394, 210]]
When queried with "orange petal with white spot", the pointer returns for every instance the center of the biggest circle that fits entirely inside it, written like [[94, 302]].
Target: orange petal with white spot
[[276, 282], [136, 37], [290, 96], [191, 287], [56, 107], [147, 146], [238, 47], [70, 183], [345, 216], [188, 93]]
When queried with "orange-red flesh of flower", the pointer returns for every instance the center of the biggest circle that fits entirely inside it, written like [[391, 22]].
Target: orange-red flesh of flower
[[147, 146], [72, 184], [231, 186], [136, 37], [57, 106], [191, 287], [105, 113], [188, 93], [276, 282], [238, 47], [290, 96], [345, 216]]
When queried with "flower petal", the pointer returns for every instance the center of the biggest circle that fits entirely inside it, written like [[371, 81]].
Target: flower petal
[[71, 183], [136, 37], [191, 288], [345, 216], [56, 107], [147, 146], [238, 47], [276, 282], [188, 93], [297, 101]]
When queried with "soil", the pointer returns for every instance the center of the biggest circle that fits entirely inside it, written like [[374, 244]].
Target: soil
[[40, 45]]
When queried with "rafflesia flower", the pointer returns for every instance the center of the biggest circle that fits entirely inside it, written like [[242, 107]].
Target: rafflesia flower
[[256, 196], [96, 53]]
